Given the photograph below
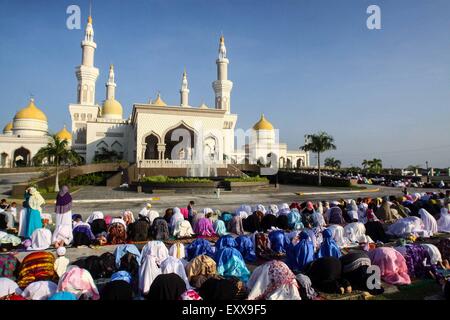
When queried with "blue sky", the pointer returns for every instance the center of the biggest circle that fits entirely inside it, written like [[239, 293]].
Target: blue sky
[[308, 65]]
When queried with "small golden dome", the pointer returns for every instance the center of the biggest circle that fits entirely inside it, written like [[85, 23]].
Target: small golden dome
[[263, 124], [8, 128], [222, 39], [90, 20], [64, 134], [112, 107], [159, 102], [203, 106], [31, 112]]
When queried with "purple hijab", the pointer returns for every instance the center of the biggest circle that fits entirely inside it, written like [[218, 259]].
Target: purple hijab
[[63, 201], [204, 228]]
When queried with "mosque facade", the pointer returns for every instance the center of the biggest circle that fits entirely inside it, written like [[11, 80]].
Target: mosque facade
[[156, 134]]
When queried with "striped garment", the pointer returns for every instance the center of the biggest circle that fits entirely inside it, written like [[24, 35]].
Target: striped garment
[[37, 266]]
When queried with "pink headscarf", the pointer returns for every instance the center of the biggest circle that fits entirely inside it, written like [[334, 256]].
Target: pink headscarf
[[185, 212], [204, 228], [392, 265], [79, 282]]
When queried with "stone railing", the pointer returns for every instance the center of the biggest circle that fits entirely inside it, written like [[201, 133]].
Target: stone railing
[[179, 164]]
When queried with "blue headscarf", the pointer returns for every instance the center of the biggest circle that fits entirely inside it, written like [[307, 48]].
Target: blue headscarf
[[124, 249], [225, 241], [230, 263], [63, 295], [246, 248], [121, 275], [295, 220], [198, 247], [301, 254], [278, 241], [328, 248], [226, 216], [219, 228]]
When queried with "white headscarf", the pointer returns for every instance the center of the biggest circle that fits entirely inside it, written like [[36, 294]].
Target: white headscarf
[[63, 232], [95, 216], [444, 221], [429, 222], [273, 209], [207, 211], [242, 214], [36, 200], [320, 207], [284, 209], [338, 234], [261, 208], [128, 213], [40, 290], [434, 253], [156, 249], [177, 216], [7, 287], [174, 265], [177, 250], [183, 229], [41, 239], [148, 271], [355, 232], [406, 226], [119, 220]]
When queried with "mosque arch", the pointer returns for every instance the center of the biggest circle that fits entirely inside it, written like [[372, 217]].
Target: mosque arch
[[177, 139], [281, 162], [3, 159], [300, 162], [151, 146], [117, 147], [22, 157], [288, 163], [211, 148], [102, 144]]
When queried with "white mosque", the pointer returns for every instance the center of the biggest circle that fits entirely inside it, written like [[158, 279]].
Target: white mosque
[[155, 134]]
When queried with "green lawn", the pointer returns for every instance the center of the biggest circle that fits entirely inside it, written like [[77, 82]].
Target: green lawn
[[418, 290]]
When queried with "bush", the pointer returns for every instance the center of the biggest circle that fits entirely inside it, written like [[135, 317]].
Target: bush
[[169, 180], [247, 179], [92, 179]]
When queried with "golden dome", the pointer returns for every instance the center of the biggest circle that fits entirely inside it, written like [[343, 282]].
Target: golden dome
[[8, 128], [263, 124], [31, 112], [112, 107], [64, 135], [159, 102]]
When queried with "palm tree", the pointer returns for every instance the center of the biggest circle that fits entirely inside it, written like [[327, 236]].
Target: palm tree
[[365, 164], [106, 155], [57, 152], [332, 163], [318, 143], [375, 165]]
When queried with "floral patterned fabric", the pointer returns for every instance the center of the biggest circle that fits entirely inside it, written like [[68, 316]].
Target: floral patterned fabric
[[8, 266]]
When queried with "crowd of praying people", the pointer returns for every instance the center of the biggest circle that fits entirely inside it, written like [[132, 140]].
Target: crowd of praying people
[[275, 252]]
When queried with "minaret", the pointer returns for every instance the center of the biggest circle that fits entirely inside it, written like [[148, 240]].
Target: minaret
[[222, 86], [111, 85], [86, 73], [184, 92]]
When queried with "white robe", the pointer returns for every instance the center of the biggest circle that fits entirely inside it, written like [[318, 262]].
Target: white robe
[[405, 226], [63, 232], [41, 239], [444, 221], [156, 249], [183, 229], [177, 250], [355, 232], [174, 265], [429, 222], [148, 271], [338, 235], [434, 253], [7, 287], [22, 223]]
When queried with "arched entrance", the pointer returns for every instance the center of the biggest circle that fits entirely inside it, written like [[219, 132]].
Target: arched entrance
[[179, 143], [210, 149], [288, 163], [300, 163], [151, 151], [281, 162], [22, 157]]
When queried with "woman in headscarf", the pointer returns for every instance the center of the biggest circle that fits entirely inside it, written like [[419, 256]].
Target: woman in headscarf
[[97, 222], [385, 212], [8, 287], [118, 289], [354, 269], [392, 265], [262, 246], [37, 266], [166, 287], [117, 231], [178, 251], [219, 228], [352, 211], [82, 233], [326, 275], [417, 260], [218, 289], [268, 222], [200, 269], [160, 229], [177, 216], [39, 290], [374, 228], [406, 226], [339, 235], [305, 289], [295, 220], [334, 214], [253, 222], [128, 217], [273, 210], [8, 266], [148, 271], [199, 247], [168, 215], [156, 249], [283, 222], [246, 248], [237, 225], [328, 248], [201, 215], [204, 228], [301, 254], [79, 282], [429, 222], [278, 242], [443, 223], [183, 229], [63, 212], [41, 239], [230, 263], [306, 215], [284, 210], [225, 241], [140, 229], [356, 232], [35, 202], [174, 265], [273, 281]]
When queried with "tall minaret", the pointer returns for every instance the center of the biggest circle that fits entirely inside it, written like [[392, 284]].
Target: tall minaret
[[222, 86], [86, 73], [111, 85], [184, 92]]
